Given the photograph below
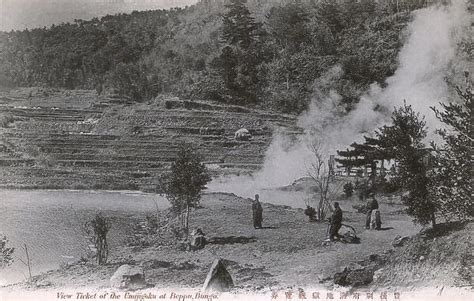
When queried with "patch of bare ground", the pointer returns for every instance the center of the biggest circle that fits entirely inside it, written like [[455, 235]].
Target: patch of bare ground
[[288, 252]]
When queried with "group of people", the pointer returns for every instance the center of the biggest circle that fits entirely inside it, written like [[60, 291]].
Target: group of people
[[199, 241], [372, 220]]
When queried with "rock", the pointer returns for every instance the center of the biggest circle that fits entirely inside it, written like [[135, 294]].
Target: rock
[[375, 258], [422, 258], [348, 235], [128, 277], [218, 278], [43, 283], [399, 241], [242, 135], [377, 274], [360, 277], [354, 277], [186, 265], [340, 278]]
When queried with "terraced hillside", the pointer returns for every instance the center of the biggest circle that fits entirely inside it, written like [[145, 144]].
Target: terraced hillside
[[78, 140]]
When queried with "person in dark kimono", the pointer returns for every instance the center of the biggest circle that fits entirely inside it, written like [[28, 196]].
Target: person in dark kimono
[[372, 204], [336, 222], [257, 212]]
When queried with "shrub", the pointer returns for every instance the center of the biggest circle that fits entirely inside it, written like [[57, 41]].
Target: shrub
[[6, 253], [97, 229], [362, 190], [5, 120], [311, 213], [348, 189]]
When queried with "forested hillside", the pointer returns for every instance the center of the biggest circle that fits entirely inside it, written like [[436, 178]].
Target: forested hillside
[[265, 53]]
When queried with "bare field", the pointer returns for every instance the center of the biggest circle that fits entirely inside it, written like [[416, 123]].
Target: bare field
[[250, 254]]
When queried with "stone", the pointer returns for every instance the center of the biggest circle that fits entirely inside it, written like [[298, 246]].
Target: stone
[[399, 241], [340, 278], [218, 278], [354, 277], [374, 257], [128, 277], [360, 277], [43, 284], [242, 135], [348, 235], [377, 274]]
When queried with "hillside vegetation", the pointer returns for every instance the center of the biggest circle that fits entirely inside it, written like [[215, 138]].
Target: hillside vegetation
[[261, 52]]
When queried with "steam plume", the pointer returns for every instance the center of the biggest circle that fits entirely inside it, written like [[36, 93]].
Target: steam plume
[[426, 59]]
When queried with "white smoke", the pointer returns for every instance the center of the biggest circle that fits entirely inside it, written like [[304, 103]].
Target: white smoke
[[427, 57]]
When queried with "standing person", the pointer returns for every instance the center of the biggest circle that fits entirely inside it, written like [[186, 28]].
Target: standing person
[[372, 204], [257, 212], [336, 222]]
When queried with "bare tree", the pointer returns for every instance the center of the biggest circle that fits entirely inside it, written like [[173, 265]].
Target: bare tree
[[322, 172]]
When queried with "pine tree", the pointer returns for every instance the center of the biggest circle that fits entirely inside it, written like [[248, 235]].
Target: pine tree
[[239, 59], [363, 155], [239, 27], [452, 184], [403, 141]]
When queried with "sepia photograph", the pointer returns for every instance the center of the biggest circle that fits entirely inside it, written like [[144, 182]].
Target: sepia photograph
[[217, 150]]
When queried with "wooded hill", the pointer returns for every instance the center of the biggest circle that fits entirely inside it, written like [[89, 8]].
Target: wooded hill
[[266, 53]]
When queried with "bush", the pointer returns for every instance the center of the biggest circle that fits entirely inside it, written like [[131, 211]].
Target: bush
[[210, 87], [5, 120], [386, 186], [348, 189], [363, 190], [311, 213], [6, 253], [97, 229]]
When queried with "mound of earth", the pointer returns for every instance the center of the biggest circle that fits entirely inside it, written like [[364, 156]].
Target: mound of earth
[[305, 184], [440, 258]]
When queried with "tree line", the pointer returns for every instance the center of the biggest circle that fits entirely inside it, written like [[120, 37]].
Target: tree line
[[258, 53]]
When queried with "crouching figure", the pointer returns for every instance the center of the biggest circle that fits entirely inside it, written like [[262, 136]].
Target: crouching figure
[[198, 240]]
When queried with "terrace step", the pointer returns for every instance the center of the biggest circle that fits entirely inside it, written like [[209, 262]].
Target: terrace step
[[76, 138]]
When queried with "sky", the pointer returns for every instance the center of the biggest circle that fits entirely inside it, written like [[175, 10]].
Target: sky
[[21, 14]]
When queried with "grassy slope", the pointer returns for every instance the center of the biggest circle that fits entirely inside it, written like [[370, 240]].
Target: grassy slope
[[441, 258]]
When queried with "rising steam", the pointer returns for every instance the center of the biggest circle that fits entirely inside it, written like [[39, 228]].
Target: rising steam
[[429, 55]]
